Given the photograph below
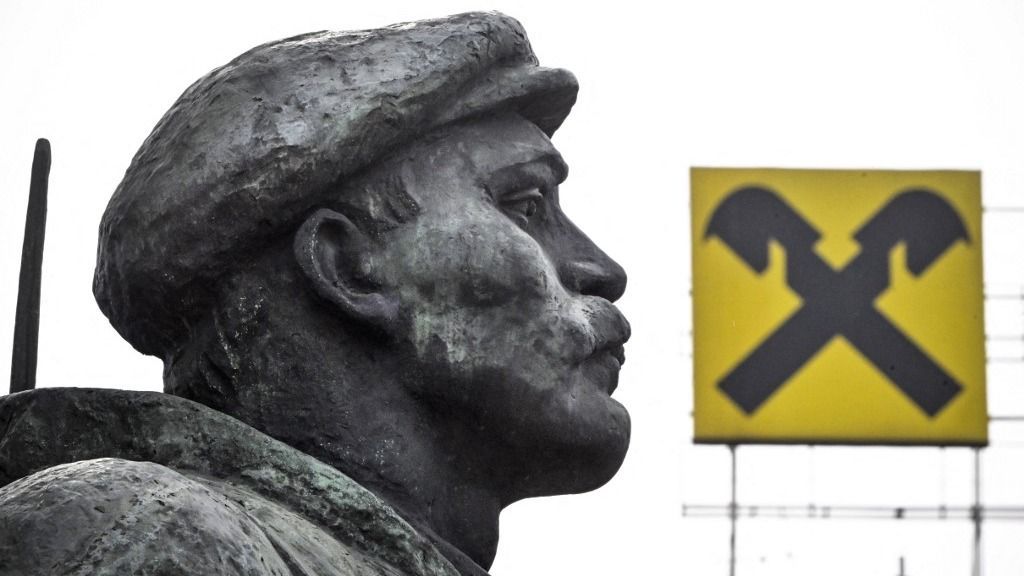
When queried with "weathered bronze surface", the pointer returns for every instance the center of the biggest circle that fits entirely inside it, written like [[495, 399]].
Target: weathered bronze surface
[[377, 325]]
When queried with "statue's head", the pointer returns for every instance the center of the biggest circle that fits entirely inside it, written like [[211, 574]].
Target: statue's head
[[354, 241]]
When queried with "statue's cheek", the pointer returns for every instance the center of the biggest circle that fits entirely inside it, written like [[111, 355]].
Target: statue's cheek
[[482, 264], [498, 275]]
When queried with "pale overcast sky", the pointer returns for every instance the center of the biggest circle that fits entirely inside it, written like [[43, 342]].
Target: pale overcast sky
[[664, 86]]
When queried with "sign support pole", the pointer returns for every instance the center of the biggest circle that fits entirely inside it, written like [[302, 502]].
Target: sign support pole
[[733, 514], [976, 515]]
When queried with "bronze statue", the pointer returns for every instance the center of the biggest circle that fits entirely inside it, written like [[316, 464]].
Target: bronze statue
[[378, 328]]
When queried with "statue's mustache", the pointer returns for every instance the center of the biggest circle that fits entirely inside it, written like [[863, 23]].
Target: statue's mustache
[[607, 331]]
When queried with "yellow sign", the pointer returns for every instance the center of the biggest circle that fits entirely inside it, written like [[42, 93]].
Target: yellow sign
[[838, 306]]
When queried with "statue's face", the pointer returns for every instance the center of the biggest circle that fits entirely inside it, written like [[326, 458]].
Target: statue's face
[[507, 306]]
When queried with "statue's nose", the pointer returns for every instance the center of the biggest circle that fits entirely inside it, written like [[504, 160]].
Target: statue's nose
[[604, 278], [586, 269]]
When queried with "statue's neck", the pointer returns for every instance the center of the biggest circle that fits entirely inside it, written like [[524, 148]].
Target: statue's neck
[[438, 475], [460, 521], [416, 465]]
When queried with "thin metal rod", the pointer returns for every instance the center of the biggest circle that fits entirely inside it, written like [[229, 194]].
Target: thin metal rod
[[733, 514], [26, 318], [1006, 418], [976, 515], [829, 512]]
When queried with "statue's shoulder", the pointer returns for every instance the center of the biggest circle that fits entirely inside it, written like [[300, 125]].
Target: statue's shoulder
[[125, 478], [114, 516]]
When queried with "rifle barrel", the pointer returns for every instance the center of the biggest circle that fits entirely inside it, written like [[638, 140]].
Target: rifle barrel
[[26, 319]]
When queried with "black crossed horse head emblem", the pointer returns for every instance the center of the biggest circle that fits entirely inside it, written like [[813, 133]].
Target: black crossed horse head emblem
[[838, 302]]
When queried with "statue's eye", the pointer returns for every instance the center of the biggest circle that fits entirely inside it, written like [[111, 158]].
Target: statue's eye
[[523, 204], [527, 207]]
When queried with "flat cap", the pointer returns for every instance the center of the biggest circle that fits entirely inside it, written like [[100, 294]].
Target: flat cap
[[254, 146]]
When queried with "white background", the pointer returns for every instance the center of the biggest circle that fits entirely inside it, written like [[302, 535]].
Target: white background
[[909, 84]]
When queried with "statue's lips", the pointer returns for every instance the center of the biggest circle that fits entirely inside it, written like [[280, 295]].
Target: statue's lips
[[619, 353], [604, 365], [606, 355]]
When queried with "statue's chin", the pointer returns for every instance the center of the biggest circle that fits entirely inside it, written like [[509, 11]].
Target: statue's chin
[[607, 461], [585, 465]]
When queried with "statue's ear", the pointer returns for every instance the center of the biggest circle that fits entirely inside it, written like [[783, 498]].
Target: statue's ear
[[332, 253]]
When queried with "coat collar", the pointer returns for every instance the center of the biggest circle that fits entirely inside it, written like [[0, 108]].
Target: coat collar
[[51, 426]]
